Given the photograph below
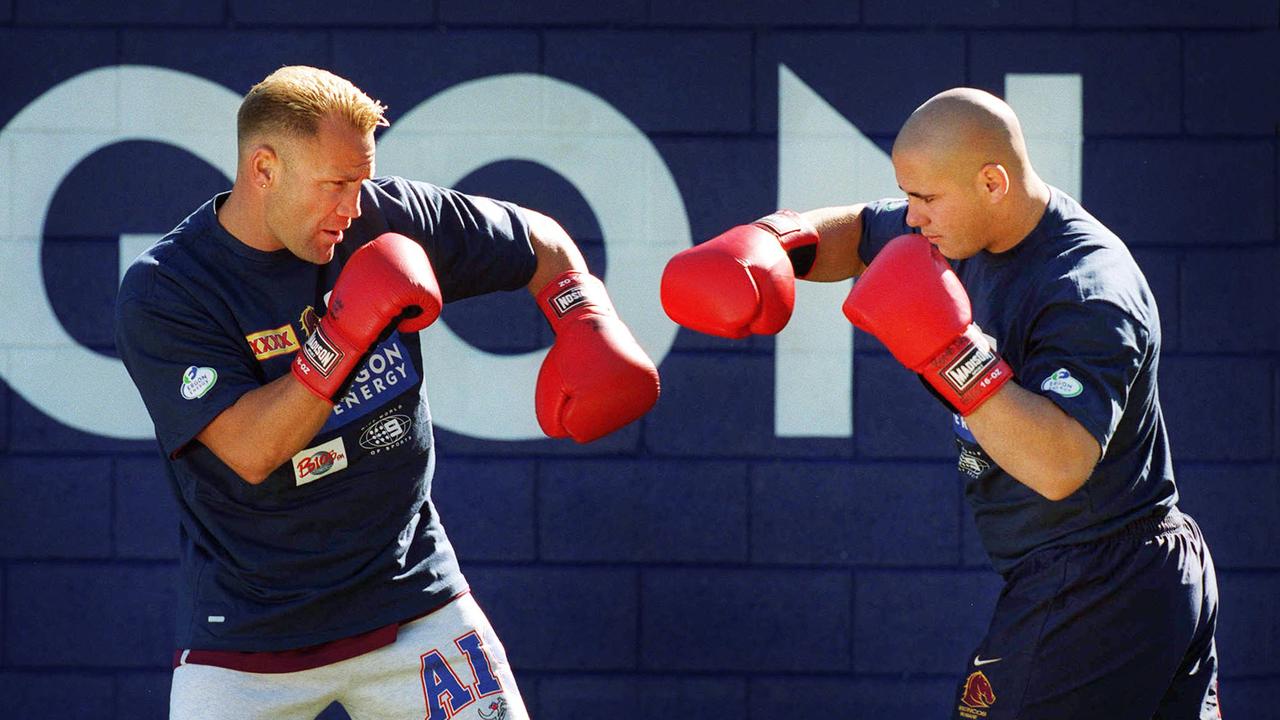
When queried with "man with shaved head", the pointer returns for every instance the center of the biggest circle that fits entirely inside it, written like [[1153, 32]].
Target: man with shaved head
[[1031, 321]]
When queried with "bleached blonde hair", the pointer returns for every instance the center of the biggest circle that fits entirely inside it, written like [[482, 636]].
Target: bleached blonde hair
[[293, 100]]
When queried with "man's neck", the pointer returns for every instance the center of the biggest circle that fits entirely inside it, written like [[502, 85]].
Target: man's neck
[[242, 221], [1025, 215]]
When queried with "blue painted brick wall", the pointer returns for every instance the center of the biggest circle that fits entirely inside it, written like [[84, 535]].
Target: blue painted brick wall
[[924, 621], [696, 13], [695, 563], [989, 13], [88, 614], [55, 508], [756, 620], [487, 507], [663, 511], [563, 618], [1132, 84], [840, 514], [641, 697], [894, 698], [52, 694], [1186, 14], [126, 12], [330, 13]]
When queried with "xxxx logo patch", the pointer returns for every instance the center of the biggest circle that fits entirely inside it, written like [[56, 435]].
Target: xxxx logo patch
[[270, 343]]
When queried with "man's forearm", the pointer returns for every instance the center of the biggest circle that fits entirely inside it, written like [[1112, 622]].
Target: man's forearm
[[1035, 441], [265, 428], [555, 250], [840, 231]]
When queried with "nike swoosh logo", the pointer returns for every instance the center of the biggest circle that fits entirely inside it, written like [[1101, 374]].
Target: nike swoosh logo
[[979, 662]]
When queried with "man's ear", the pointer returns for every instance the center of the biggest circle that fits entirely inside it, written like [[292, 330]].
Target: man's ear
[[994, 181], [264, 165]]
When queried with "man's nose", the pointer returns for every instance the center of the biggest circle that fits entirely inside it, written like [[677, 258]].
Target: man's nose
[[350, 205], [915, 218]]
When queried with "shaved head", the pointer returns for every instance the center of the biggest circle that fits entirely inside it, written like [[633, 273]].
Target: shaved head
[[962, 161], [964, 129]]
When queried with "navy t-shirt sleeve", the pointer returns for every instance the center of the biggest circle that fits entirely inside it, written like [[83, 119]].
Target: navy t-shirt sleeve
[[1085, 356], [477, 245], [882, 221], [185, 368]]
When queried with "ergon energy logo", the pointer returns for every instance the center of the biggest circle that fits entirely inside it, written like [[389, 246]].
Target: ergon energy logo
[[968, 367]]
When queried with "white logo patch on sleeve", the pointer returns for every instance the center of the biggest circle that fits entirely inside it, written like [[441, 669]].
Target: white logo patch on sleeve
[[1062, 383], [196, 381]]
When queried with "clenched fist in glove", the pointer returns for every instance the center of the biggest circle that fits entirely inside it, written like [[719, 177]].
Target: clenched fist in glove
[[596, 378], [387, 284], [911, 300], [743, 281]]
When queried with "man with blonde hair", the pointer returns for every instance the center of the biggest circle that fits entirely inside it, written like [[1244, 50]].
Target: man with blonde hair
[[273, 338], [1032, 323]]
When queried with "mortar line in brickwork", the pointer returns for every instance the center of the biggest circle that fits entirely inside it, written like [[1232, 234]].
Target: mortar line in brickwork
[[638, 659], [114, 479], [853, 612], [966, 40], [825, 568], [536, 498], [1227, 677], [750, 516], [1182, 84], [541, 34], [1198, 464], [962, 510], [735, 674], [4, 614], [753, 75], [115, 689], [939, 460], [1253, 571], [752, 134], [37, 562]]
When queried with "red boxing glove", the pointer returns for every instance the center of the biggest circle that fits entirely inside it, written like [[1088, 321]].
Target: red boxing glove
[[911, 299], [742, 281], [386, 284], [595, 378]]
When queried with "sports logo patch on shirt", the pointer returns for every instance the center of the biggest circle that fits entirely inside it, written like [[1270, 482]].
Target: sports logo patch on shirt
[[1062, 383], [387, 431], [196, 381], [270, 343], [323, 459], [978, 695], [309, 320], [972, 463]]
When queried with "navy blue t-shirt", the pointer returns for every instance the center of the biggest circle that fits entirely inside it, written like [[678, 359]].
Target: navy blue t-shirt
[[344, 538], [1072, 314]]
